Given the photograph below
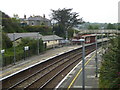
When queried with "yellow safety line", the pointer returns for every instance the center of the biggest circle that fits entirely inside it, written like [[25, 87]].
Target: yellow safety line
[[78, 73]]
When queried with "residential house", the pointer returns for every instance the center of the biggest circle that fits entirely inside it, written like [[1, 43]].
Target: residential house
[[35, 21], [49, 40], [52, 40], [38, 20], [16, 37]]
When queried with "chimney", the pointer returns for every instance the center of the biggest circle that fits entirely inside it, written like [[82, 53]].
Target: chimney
[[24, 16], [43, 15]]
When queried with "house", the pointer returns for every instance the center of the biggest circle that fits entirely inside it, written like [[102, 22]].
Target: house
[[52, 40], [17, 36], [49, 40], [35, 21], [38, 20]]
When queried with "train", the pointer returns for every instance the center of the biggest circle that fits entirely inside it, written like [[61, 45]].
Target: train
[[89, 38]]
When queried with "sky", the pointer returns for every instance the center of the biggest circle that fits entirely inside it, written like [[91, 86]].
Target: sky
[[102, 11]]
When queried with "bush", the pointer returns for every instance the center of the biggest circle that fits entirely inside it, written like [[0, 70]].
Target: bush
[[6, 43], [20, 54], [44, 30], [110, 69]]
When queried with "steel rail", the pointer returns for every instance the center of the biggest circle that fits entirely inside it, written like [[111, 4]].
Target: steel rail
[[15, 85]]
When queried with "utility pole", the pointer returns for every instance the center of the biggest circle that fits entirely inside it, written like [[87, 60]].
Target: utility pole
[[83, 63], [107, 40], [2, 52], [102, 42], [38, 43], [66, 37], [96, 59], [14, 48], [53, 39]]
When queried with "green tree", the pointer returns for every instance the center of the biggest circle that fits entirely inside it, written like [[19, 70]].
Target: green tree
[[90, 27], [93, 27], [6, 43], [118, 26], [66, 18], [110, 70], [32, 43], [44, 30], [10, 24], [59, 30], [111, 26]]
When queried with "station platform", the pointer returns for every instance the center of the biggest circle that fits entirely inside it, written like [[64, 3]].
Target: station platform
[[29, 62], [73, 79], [34, 60]]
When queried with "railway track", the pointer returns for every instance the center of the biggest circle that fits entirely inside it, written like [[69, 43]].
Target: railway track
[[47, 74]]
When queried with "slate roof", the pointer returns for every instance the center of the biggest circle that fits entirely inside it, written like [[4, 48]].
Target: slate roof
[[38, 18], [89, 35], [23, 35], [34, 35], [51, 38]]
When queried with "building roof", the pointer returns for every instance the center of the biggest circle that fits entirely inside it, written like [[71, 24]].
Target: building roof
[[89, 35], [34, 35], [38, 18], [51, 38], [23, 35]]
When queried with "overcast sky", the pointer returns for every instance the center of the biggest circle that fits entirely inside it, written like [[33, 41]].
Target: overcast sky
[[91, 10]]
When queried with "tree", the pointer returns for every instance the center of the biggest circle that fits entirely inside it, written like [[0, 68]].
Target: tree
[[44, 30], [10, 24], [6, 43], [65, 18], [111, 26], [93, 27], [110, 69], [118, 25]]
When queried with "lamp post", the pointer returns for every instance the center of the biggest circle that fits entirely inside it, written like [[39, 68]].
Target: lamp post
[[44, 43], [2, 52], [38, 43], [14, 48], [25, 49], [83, 63], [107, 39], [96, 59], [102, 41], [53, 39], [66, 37]]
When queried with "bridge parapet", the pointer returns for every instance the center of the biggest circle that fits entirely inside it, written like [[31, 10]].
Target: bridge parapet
[[99, 31]]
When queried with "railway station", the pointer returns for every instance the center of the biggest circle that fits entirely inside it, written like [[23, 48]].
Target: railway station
[[66, 53], [47, 44]]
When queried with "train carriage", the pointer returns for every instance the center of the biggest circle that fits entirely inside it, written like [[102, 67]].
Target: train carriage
[[89, 38]]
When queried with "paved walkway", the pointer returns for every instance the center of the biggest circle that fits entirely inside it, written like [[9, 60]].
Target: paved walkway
[[74, 78], [11, 69]]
